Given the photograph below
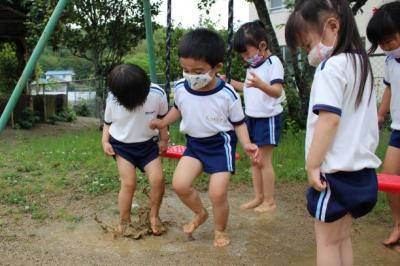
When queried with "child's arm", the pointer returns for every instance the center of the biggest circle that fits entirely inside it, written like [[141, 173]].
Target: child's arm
[[385, 105], [164, 138], [274, 90], [237, 85], [107, 148], [250, 148], [173, 115], [324, 133]]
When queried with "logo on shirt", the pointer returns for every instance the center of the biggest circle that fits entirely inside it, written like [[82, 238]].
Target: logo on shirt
[[215, 119]]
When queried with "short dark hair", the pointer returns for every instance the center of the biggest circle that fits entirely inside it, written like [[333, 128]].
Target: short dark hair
[[203, 44], [384, 24], [129, 84], [250, 33]]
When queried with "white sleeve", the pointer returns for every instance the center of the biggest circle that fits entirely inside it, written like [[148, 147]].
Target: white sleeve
[[386, 78], [108, 111], [329, 89], [163, 106], [277, 72], [236, 114]]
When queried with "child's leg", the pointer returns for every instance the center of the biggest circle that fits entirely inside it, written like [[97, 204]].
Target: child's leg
[[334, 242], [186, 172], [392, 166], [157, 186], [218, 193], [128, 185], [268, 179], [258, 189]]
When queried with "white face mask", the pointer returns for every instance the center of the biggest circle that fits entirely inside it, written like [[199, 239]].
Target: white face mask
[[320, 52], [395, 53], [198, 81]]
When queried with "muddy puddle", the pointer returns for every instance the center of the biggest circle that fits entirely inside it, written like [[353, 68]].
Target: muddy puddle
[[281, 238]]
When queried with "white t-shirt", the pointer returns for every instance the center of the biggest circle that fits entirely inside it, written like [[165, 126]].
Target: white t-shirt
[[205, 114], [133, 126], [258, 103], [357, 136], [392, 79]]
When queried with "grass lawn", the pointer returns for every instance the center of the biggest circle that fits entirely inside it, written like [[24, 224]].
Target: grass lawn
[[34, 170]]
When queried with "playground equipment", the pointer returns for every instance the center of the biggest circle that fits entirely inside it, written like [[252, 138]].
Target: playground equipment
[[389, 183], [176, 152]]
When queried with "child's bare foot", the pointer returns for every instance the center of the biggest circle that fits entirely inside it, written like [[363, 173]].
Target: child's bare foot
[[393, 238], [265, 207], [196, 222], [251, 204], [157, 227], [221, 239]]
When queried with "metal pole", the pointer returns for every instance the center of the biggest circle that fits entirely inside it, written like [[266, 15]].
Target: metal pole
[[149, 39], [30, 66], [229, 41], [168, 52]]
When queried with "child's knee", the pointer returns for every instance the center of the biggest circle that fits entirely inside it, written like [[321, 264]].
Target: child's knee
[[128, 185], [218, 197], [181, 187]]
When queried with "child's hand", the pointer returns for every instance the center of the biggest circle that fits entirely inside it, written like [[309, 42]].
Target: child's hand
[[223, 77], [254, 81], [315, 180], [252, 150], [108, 150], [156, 124], [163, 145]]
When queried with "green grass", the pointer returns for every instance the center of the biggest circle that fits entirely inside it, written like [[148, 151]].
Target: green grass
[[36, 170]]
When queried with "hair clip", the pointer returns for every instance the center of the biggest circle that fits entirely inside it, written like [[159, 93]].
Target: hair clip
[[374, 10]]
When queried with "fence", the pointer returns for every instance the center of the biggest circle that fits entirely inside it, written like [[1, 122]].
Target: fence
[[378, 69], [80, 94]]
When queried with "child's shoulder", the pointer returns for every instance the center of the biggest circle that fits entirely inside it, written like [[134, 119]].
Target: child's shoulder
[[391, 59], [229, 91], [154, 88], [336, 63], [179, 84]]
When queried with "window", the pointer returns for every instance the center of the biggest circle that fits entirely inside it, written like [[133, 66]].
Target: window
[[277, 4]]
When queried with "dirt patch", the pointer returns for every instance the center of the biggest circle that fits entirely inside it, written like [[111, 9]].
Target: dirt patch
[[284, 237], [42, 129]]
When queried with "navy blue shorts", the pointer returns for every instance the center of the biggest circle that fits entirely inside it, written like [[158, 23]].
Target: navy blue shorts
[[347, 192], [265, 131], [139, 154], [395, 139], [216, 153]]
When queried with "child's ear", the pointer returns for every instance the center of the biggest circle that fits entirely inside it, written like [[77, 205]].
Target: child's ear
[[263, 46], [333, 24], [218, 67]]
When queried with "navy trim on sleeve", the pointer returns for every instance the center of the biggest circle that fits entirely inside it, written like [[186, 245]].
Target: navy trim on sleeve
[[107, 123], [275, 81], [386, 83], [327, 108], [230, 90], [238, 123], [155, 88], [323, 64]]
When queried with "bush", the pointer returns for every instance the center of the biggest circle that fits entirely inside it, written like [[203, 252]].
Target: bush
[[66, 115], [82, 108], [28, 119]]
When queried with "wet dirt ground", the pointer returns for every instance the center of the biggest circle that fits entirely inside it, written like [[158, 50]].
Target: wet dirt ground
[[282, 238]]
